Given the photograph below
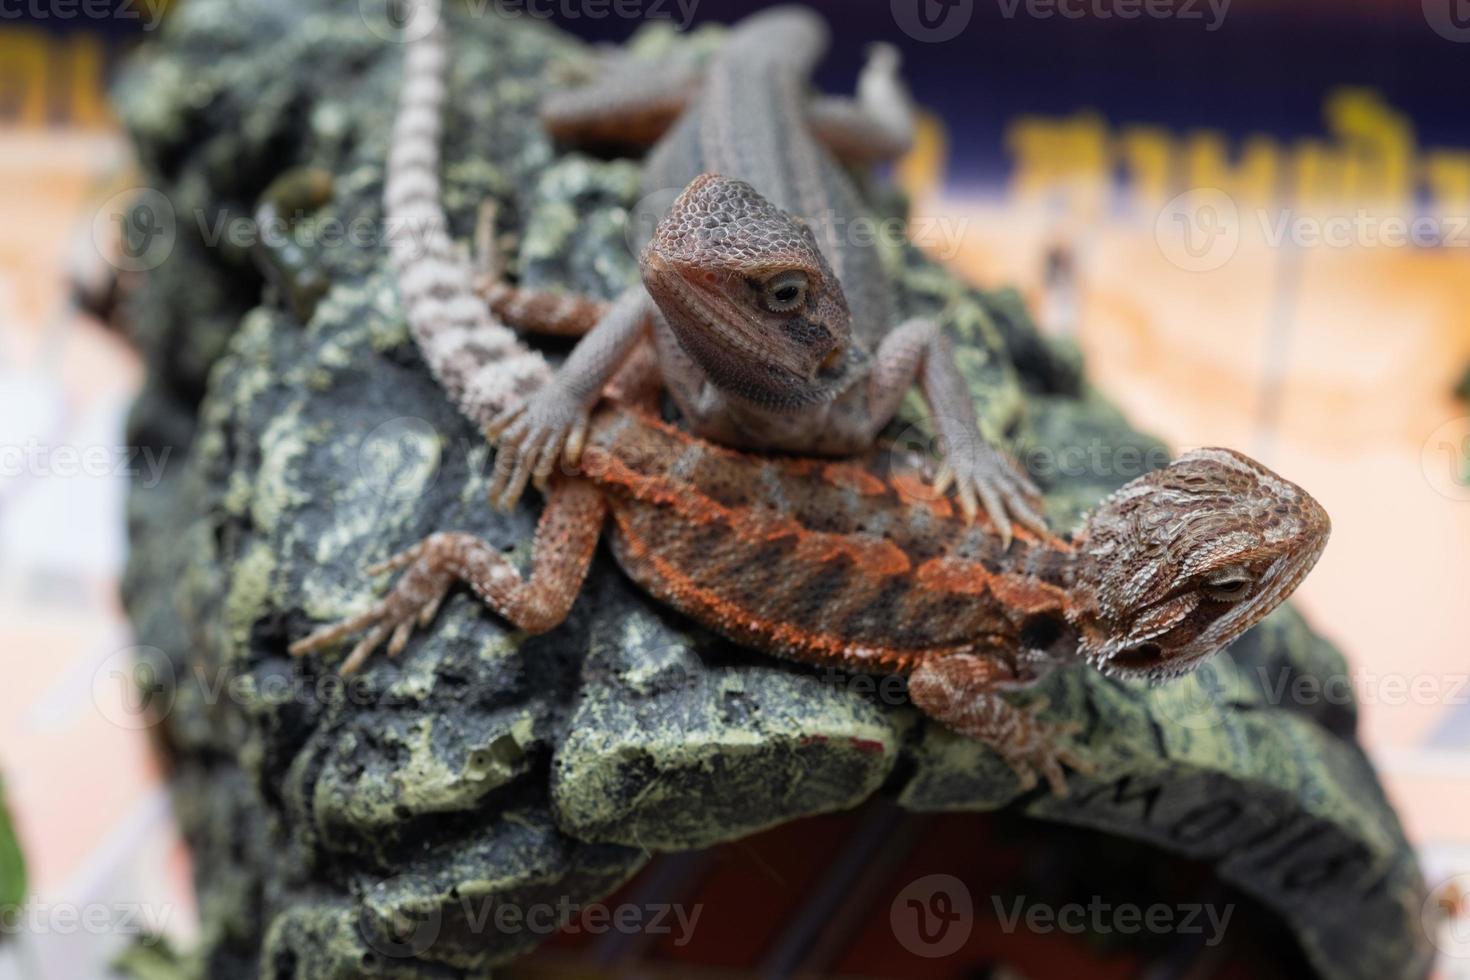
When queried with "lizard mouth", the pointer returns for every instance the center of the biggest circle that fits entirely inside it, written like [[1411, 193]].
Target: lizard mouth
[[1143, 656], [832, 363]]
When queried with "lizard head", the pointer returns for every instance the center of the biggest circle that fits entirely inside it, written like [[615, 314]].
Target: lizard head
[[749, 295], [1178, 563]]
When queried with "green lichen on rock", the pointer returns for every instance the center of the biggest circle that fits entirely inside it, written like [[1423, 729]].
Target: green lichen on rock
[[346, 827], [661, 722]]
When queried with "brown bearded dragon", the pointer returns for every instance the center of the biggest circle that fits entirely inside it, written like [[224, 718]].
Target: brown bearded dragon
[[832, 562], [843, 564], [762, 291]]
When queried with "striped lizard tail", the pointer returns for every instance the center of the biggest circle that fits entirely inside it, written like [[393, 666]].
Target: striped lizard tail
[[478, 361]]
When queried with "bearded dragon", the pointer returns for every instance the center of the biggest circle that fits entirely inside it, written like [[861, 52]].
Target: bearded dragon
[[762, 288], [836, 562], [858, 565]]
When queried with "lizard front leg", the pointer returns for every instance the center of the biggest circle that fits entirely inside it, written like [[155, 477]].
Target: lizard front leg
[[963, 692], [536, 434], [566, 537], [980, 473]]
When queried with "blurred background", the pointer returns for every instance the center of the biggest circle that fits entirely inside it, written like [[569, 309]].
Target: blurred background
[[1253, 217]]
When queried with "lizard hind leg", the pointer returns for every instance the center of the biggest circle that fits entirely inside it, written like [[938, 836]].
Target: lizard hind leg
[[880, 125], [566, 538], [526, 310], [963, 692]]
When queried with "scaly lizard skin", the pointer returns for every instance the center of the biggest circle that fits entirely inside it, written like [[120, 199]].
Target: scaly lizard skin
[[843, 564], [828, 562], [765, 297], [480, 363]]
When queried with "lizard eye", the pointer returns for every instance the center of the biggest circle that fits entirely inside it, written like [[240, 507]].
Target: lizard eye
[[1227, 584], [784, 293]]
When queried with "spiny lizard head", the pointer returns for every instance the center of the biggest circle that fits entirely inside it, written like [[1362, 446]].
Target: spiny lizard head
[[1178, 563], [749, 295]]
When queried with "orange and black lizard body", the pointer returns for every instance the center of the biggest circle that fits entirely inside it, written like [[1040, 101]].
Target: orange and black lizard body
[[875, 570], [859, 565]]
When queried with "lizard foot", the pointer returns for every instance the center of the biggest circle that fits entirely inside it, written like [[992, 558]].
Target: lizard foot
[[1039, 746], [414, 599], [531, 438], [987, 477]]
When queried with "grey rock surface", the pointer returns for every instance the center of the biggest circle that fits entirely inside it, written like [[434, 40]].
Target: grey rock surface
[[345, 827]]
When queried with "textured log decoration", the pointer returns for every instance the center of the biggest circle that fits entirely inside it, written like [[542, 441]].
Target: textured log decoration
[[324, 816]]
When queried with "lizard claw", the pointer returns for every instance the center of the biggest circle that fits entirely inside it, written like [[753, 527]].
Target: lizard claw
[[1041, 747], [414, 599], [988, 478], [531, 439]]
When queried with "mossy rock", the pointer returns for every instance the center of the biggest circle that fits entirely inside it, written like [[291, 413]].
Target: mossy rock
[[333, 823]]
